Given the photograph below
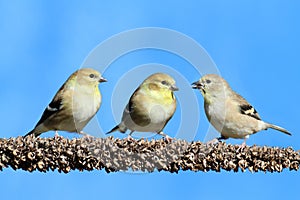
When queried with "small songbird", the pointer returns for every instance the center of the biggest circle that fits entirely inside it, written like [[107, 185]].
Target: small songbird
[[73, 106], [228, 112], [150, 107]]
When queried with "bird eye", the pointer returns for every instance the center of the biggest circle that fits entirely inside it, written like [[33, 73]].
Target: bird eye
[[208, 81], [92, 75], [164, 83]]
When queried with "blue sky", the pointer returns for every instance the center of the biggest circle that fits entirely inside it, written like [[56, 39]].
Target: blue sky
[[253, 44]]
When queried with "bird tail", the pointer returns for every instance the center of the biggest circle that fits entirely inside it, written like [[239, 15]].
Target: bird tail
[[120, 127], [278, 128], [29, 133], [33, 132]]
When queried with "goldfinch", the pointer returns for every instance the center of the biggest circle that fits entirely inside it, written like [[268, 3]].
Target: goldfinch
[[228, 112], [150, 107], [73, 106]]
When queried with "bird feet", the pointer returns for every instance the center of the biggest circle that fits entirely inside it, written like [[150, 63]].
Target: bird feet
[[168, 138], [241, 146], [130, 138], [56, 134], [212, 142], [86, 135]]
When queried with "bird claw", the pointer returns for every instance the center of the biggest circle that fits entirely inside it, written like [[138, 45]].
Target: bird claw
[[168, 138], [56, 134], [212, 142], [241, 147], [88, 136], [130, 138]]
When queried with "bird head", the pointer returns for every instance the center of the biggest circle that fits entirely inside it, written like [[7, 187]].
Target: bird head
[[162, 82], [89, 76], [211, 85]]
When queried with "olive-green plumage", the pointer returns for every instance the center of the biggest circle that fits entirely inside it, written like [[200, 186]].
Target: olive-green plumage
[[73, 106], [150, 107]]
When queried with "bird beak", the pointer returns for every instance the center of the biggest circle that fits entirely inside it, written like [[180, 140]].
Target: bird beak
[[174, 88], [102, 80], [197, 85]]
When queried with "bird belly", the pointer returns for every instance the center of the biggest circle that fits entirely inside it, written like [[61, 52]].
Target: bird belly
[[82, 118], [152, 127], [153, 119], [59, 122], [70, 125], [234, 128], [237, 127], [83, 109], [232, 131]]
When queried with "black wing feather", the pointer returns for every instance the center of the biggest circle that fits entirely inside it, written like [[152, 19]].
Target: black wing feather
[[52, 108], [247, 109]]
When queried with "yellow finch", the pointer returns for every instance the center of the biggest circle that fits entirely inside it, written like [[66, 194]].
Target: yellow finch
[[150, 107], [228, 112], [75, 103]]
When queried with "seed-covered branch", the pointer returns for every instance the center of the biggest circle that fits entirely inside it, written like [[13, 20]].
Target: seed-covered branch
[[111, 155]]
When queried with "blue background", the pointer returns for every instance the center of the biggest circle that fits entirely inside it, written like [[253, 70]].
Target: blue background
[[255, 45]]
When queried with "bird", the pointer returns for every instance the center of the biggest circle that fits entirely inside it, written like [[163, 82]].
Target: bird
[[228, 112], [150, 107], [73, 106]]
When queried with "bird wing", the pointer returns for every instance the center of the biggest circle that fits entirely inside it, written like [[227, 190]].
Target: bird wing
[[246, 108], [54, 106], [130, 106], [135, 109]]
